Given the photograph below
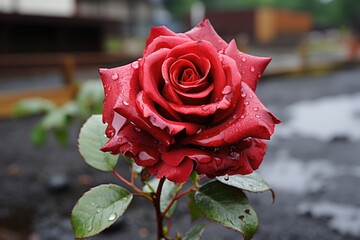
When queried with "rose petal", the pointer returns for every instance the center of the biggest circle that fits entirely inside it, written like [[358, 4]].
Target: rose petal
[[205, 31], [121, 86], [148, 110], [195, 98], [202, 110], [231, 91], [177, 174], [242, 158], [166, 42], [251, 67], [205, 49], [136, 144], [151, 80], [175, 156], [250, 119]]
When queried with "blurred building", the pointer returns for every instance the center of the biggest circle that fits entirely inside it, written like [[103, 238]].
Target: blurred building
[[261, 26], [68, 25]]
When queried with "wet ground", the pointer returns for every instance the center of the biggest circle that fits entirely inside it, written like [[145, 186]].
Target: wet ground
[[312, 163]]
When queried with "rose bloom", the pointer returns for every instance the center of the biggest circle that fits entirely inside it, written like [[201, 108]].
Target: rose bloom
[[188, 104]]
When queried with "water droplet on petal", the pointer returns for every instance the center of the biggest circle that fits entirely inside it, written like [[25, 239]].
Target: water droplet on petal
[[112, 217], [252, 69], [115, 76], [242, 116], [199, 131], [221, 51], [98, 210], [125, 103], [257, 116], [89, 228], [137, 129], [227, 89], [135, 65], [243, 59], [247, 102], [243, 94], [234, 116], [144, 156], [206, 107], [256, 109], [226, 177]]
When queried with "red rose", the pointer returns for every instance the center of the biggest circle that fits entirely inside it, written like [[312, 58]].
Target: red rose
[[188, 103]]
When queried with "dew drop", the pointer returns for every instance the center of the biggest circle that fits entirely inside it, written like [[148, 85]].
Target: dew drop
[[242, 116], [112, 217], [243, 59], [247, 102], [98, 210], [89, 228], [135, 65], [252, 69], [256, 109], [227, 89], [234, 116], [221, 51], [136, 129], [145, 157], [226, 177], [115, 76], [199, 131], [125, 103], [243, 94], [257, 116], [206, 107]]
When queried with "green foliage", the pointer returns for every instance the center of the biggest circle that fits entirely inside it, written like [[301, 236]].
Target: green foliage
[[194, 232], [98, 209], [229, 206], [91, 139], [253, 182], [32, 106], [57, 119], [167, 194], [194, 211]]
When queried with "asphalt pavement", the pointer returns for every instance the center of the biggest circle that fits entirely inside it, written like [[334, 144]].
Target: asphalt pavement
[[312, 164]]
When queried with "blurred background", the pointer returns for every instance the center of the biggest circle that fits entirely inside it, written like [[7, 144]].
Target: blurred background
[[49, 55]]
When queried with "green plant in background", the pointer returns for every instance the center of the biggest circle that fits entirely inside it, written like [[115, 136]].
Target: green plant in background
[[57, 119]]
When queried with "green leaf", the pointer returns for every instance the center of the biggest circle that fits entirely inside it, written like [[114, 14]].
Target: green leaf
[[62, 136], [91, 139], [253, 182], [55, 118], [194, 232], [38, 135], [71, 109], [32, 106], [167, 194], [99, 208], [194, 177], [229, 206], [90, 98], [194, 211]]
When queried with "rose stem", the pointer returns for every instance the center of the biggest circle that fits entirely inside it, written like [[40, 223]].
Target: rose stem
[[159, 216], [133, 186]]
